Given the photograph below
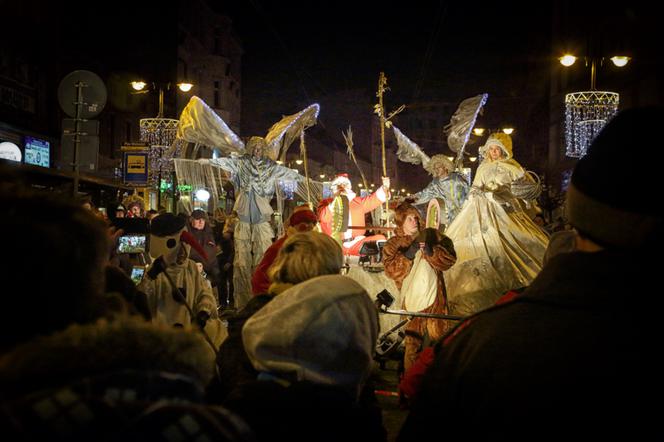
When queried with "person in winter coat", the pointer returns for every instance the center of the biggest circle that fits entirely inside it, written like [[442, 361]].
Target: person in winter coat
[[80, 368], [200, 228], [303, 219], [177, 293], [313, 373], [575, 353], [415, 258], [347, 209]]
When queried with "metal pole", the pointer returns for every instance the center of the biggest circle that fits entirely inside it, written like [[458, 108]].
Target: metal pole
[[593, 74], [159, 188], [77, 133], [174, 182], [161, 103], [422, 315]]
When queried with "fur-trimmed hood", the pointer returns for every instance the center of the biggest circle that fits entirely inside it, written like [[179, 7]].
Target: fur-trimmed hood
[[103, 347], [501, 140]]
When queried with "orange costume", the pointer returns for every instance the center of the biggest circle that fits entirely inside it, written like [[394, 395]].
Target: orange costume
[[346, 210]]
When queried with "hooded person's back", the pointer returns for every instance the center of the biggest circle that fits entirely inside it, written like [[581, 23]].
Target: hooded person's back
[[313, 346]]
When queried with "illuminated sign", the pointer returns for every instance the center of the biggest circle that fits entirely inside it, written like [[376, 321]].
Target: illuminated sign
[[10, 151], [37, 152], [135, 167]]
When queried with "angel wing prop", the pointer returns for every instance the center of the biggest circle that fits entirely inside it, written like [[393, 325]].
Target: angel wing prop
[[410, 152], [461, 123], [201, 125], [282, 134]]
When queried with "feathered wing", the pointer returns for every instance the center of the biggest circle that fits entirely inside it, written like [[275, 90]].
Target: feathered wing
[[409, 151], [462, 122], [200, 124], [282, 134]]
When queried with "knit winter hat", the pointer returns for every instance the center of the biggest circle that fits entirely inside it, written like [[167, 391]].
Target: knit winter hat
[[323, 330], [610, 200]]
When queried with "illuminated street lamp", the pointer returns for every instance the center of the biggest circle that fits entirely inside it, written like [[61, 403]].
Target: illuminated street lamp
[[586, 112], [479, 131], [567, 60], [159, 133]]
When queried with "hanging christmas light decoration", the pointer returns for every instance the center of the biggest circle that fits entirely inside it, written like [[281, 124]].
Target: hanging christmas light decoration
[[586, 113], [160, 135]]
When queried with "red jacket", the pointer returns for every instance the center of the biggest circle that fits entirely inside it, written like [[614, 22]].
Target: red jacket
[[259, 281]]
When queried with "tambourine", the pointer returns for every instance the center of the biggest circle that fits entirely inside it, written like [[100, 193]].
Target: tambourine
[[436, 213]]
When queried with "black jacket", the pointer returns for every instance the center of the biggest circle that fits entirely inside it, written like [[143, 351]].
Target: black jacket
[[572, 357]]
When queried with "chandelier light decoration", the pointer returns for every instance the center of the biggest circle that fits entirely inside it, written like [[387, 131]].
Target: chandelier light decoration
[[160, 135], [586, 113]]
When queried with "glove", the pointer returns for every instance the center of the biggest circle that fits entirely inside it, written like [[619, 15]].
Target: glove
[[429, 237], [202, 318], [411, 250]]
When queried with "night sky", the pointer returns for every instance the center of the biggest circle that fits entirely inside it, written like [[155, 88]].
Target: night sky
[[297, 53], [458, 49]]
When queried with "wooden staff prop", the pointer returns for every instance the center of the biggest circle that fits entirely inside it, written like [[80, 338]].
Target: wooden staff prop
[[303, 153], [348, 137], [382, 83]]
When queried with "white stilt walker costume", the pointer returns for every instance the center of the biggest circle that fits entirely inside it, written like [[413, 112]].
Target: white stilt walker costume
[[255, 174]]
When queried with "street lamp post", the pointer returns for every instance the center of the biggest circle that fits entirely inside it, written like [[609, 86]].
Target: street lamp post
[[160, 134], [586, 112]]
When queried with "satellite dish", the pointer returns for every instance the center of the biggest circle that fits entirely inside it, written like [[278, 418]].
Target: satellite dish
[[93, 92]]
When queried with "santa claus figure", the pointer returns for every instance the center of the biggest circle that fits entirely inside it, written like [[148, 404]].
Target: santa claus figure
[[342, 216]]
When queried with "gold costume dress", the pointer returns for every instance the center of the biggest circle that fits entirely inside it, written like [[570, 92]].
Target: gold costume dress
[[499, 247]]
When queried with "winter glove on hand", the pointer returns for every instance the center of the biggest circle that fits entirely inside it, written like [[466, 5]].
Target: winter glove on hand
[[430, 240], [411, 250]]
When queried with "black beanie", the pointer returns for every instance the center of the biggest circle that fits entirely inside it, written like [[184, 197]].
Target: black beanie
[[613, 199]]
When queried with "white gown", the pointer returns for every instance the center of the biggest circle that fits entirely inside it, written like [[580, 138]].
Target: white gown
[[498, 246]]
